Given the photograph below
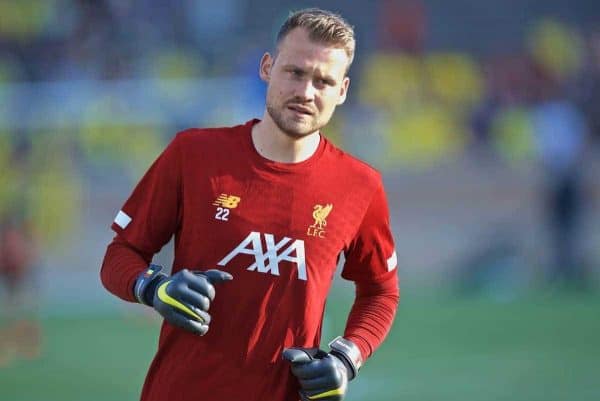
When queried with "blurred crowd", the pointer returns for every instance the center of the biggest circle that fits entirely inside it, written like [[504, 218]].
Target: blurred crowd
[[65, 126], [412, 107], [417, 105], [439, 103], [533, 106]]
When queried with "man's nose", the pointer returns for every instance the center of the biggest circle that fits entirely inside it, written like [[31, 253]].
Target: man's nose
[[305, 90]]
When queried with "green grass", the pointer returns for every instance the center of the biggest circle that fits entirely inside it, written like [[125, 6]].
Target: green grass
[[540, 349], [544, 348], [83, 359]]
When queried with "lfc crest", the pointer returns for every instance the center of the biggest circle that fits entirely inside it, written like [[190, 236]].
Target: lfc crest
[[320, 213]]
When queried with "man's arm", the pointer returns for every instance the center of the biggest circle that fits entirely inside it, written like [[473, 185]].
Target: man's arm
[[324, 375], [147, 221], [372, 314], [121, 266], [182, 299], [371, 263]]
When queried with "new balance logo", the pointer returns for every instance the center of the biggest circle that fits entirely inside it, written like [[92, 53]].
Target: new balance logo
[[228, 201], [225, 203], [267, 261]]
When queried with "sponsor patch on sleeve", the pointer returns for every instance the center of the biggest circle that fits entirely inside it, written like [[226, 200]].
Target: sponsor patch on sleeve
[[392, 262], [123, 220]]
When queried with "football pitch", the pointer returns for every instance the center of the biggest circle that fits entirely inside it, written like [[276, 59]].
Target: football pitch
[[544, 348]]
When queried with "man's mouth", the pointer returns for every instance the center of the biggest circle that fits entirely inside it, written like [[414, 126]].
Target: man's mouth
[[300, 109]]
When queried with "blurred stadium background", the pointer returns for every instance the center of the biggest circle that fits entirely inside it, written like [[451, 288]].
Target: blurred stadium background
[[484, 117]]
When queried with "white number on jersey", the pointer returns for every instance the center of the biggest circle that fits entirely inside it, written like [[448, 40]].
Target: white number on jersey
[[222, 214]]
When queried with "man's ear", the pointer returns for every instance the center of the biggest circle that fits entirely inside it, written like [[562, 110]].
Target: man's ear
[[266, 63], [344, 91]]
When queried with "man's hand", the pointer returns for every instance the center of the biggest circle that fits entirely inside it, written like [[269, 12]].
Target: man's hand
[[322, 376], [182, 299]]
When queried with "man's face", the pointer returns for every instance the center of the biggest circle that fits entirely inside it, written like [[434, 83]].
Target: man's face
[[306, 81]]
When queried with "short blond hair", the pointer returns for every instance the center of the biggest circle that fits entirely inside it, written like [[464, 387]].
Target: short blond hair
[[323, 27]]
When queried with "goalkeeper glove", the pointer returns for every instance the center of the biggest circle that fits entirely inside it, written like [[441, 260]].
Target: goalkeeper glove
[[182, 299], [324, 376]]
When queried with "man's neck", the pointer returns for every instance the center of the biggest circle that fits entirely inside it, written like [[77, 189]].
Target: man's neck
[[273, 144]]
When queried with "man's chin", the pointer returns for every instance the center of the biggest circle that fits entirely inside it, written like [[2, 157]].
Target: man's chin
[[296, 134], [292, 126], [297, 130]]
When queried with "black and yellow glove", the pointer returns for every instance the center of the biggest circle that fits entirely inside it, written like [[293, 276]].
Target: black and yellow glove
[[324, 376], [182, 299]]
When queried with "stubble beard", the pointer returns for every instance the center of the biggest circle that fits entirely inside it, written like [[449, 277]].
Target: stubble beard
[[288, 126]]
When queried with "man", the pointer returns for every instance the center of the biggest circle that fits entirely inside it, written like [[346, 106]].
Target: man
[[267, 207]]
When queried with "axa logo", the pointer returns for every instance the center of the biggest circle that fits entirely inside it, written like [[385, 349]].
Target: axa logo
[[320, 213], [267, 258]]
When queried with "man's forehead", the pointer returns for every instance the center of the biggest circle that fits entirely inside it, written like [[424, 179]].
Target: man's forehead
[[297, 48]]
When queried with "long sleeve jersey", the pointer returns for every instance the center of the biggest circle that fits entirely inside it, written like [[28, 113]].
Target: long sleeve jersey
[[279, 229]]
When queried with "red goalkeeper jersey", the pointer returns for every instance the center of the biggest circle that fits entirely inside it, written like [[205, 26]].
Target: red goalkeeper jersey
[[279, 229]]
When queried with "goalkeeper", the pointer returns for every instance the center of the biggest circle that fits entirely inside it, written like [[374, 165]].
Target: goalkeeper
[[260, 213]]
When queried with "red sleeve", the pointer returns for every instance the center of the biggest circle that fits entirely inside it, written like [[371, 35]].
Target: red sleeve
[[152, 213], [372, 315], [371, 263], [145, 224], [122, 264]]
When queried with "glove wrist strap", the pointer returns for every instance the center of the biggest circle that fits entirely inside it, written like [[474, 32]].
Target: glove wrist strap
[[146, 284], [348, 353]]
